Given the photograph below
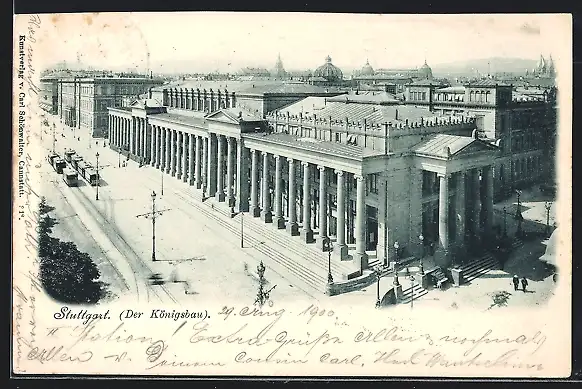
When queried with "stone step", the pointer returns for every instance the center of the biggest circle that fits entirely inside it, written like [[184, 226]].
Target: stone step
[[296, 270], [478, 268], [408, 295], [315, 259]]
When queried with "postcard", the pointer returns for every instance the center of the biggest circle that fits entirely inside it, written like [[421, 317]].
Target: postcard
[[292, 195]]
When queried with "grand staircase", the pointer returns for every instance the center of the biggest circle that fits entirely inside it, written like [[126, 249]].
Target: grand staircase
[[305, 266], [480, 266], [412, 292]]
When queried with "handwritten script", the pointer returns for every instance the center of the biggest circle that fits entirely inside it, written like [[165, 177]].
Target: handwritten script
[[237, 338]]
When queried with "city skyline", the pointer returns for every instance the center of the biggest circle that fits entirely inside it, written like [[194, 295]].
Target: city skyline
[[242, 40]]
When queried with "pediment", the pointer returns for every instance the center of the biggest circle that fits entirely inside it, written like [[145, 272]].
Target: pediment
[[474, 147], [222, 116]]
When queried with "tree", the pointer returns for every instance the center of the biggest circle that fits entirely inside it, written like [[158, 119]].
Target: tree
[[67, 274]]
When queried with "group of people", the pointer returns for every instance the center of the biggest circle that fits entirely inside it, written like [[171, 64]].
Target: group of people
[[516, 282]]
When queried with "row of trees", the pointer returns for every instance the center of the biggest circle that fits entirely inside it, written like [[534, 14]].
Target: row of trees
[[67, 274]]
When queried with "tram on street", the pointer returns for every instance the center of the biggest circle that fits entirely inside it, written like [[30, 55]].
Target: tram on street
[[69, 155], [91, 176], [70, 177], [52, 155], [75, 160], [59, 164]]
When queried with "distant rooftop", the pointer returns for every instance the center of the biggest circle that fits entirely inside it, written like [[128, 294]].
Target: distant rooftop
[[372, 113]]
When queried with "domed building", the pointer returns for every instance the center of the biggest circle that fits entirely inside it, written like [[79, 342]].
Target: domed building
[[367, 70], [425, 72], [328, 71]]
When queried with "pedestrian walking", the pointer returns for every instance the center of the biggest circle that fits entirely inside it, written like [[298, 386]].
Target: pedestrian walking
[[524, 284], [515, 282]]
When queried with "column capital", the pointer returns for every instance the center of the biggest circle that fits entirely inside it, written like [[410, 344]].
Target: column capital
[[305, 164], [321, 167], [339, 172], [359, 177], [443, 175], [230, 140], [277, 157], [290, 160], [265, 155], [254, 151]]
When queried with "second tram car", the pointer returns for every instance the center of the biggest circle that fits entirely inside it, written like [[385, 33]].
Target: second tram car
[[70, 177]]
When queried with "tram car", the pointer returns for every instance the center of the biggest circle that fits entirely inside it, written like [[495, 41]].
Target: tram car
[[69, 155], [52, 155], [82, 167], [59, 164], [70, 177], [91, 176], [75, 160]]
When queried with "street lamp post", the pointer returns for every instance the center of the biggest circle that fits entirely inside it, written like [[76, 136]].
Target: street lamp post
[[119, 158], [97, 185], [329, 250], [548, 206], [421, 239], [518, 215], [162, 182], [396, 254]]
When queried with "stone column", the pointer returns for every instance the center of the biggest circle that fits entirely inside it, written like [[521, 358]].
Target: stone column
[[212, 159], [242, 178], [229, 171], [131, 137], [254, 209], [322, 238], [279, 220], [306, 231], [136, 137], [185, 157], [159, 147], [460, 215], [153, 146], [443, 249], [205, 142], [179, 136], [266, 214], [488, 200], [145, 147], [173, 152], [198, 162], [360, 255], [340, 248], [191, 160], [292, 227], [219, 169], [476, 214], [163, 148]]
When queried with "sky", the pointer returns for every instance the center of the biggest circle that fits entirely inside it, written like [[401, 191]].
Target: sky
[[205, 41]]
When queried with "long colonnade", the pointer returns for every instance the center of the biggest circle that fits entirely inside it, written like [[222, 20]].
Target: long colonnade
[[219, 166]]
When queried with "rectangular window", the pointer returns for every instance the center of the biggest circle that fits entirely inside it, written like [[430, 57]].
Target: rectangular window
[[372, 183]]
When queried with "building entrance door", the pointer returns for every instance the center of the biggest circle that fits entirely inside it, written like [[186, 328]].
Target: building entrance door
[[371, 228]]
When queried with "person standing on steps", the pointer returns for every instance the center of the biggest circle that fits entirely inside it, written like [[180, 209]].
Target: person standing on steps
[[524, 284], [515, 282]]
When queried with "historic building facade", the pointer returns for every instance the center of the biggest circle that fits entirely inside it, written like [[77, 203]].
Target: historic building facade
[[362, 176], [523, 125], [82, 102]]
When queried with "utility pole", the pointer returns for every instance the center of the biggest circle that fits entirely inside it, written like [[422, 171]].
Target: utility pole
[[97, 171], [152, 215]]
